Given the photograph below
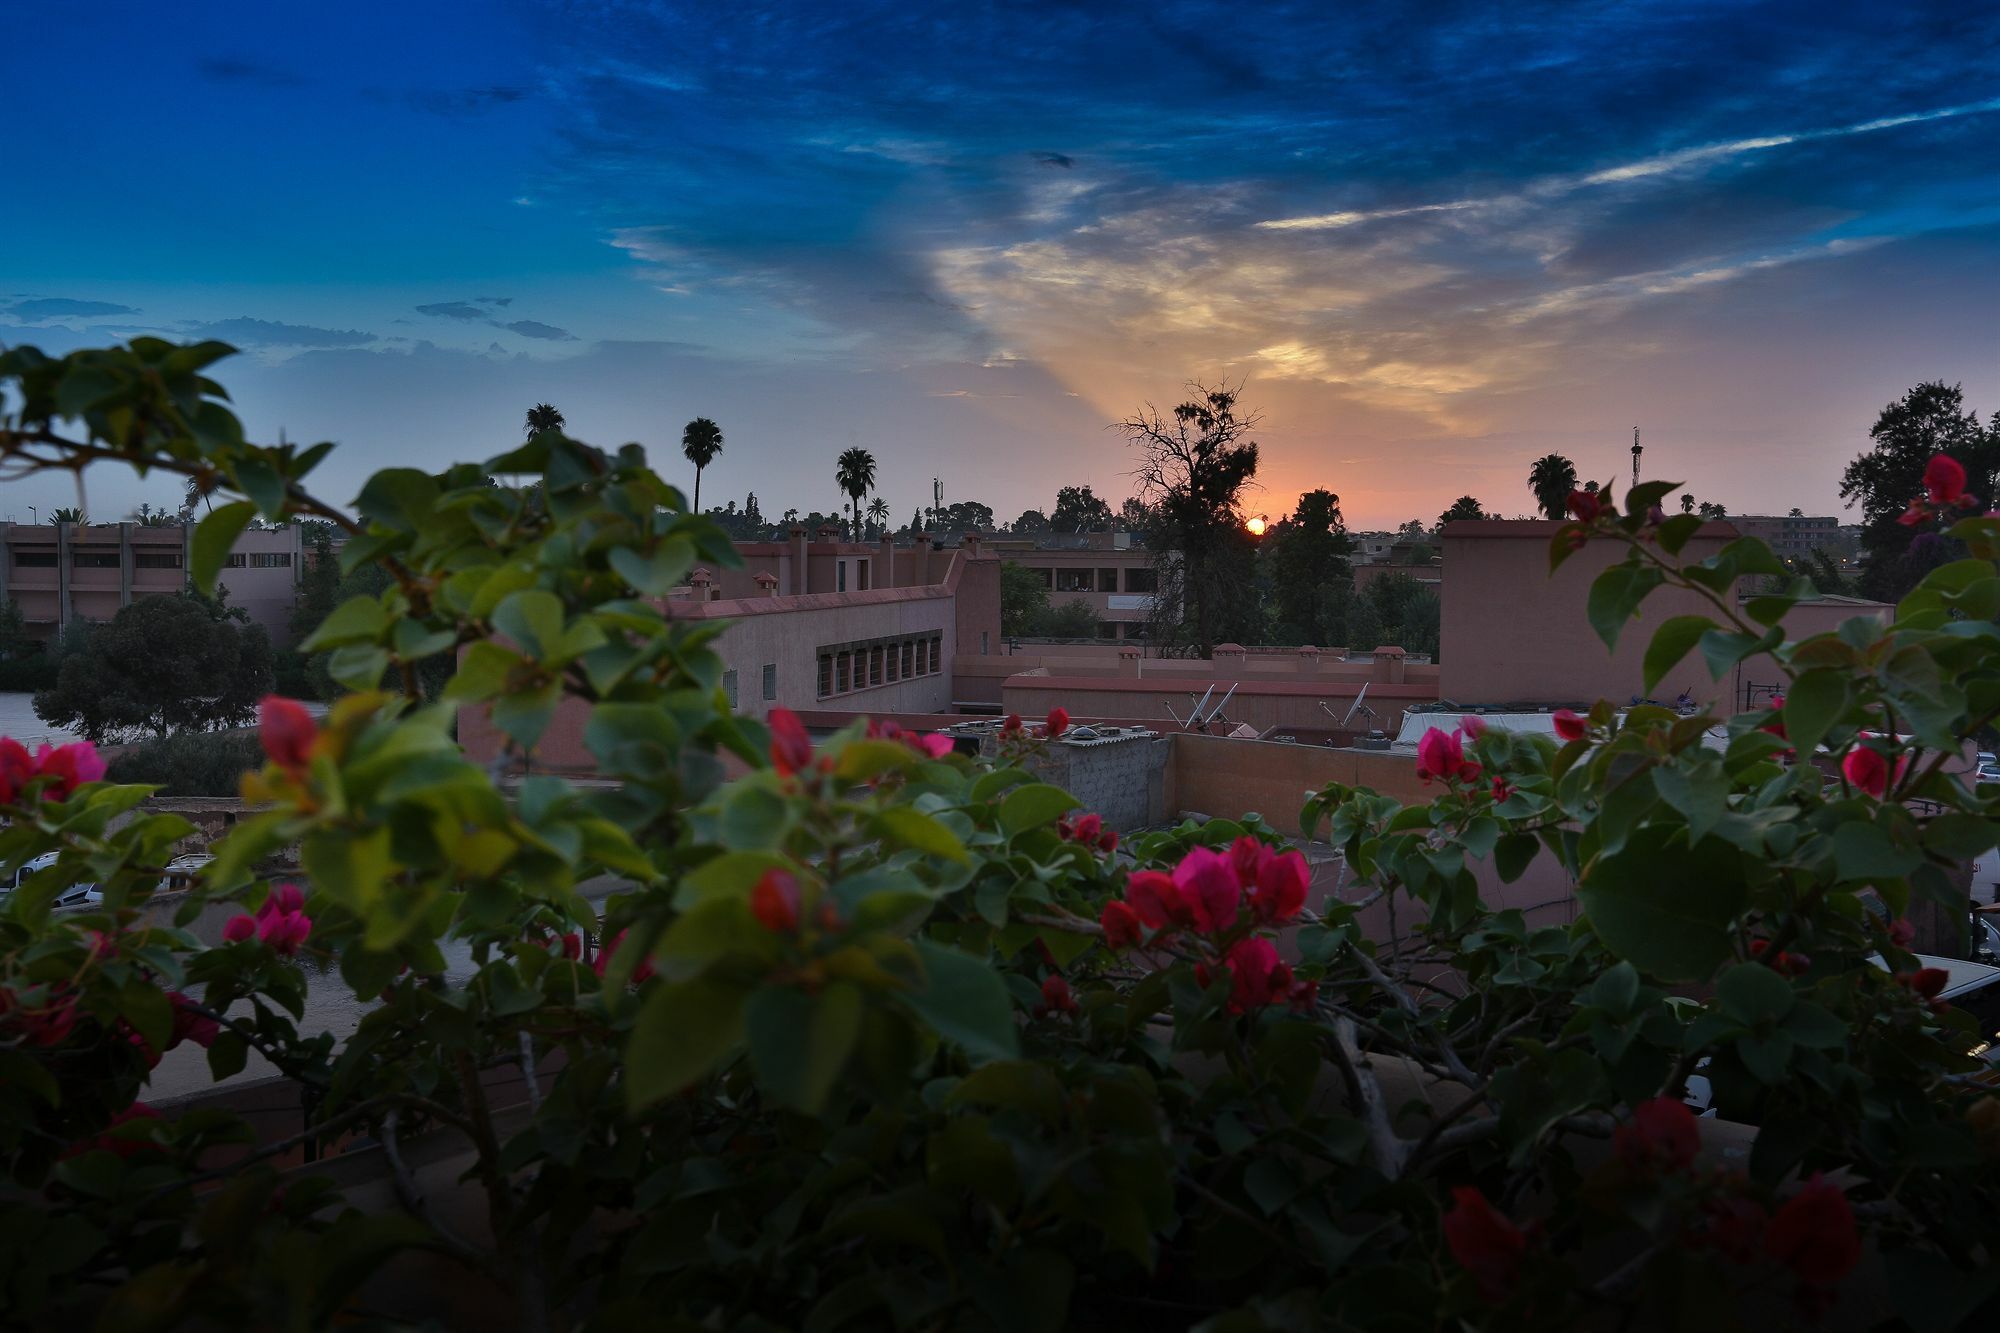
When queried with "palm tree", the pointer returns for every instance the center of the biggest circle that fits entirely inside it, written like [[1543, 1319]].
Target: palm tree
[[878, 513], [541, 417], [1552, 479], [854, 473], [66, 516], [701, 441]]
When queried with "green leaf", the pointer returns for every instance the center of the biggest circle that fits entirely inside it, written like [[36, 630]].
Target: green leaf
[[1725, 648], [1673, 640], [799, 1043], [1816, 701], [1034, 805], [1676, 531], [359, 619], [1863, 851], [399, 497], [533, 619], [1752, 994], [1512, 854], [213, 537], [1615, 598], [657, 574], [914, 828], [682, 1032], [1665, 905], [965, 1002]]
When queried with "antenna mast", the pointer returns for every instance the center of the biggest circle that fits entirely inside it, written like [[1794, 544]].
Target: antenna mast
[[1635, 455]]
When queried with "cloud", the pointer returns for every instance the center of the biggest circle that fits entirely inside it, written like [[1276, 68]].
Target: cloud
[[60, 307], [247, 332], [1055, 159], [452, 310], [235, 69], [529, 328], [464, 101], [494, 300]]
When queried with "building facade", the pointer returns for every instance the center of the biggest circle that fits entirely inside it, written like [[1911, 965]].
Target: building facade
[[66, 574], [1104, 570], [1794, 536]]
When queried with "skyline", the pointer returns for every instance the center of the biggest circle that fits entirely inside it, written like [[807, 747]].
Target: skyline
[[1435, 251]]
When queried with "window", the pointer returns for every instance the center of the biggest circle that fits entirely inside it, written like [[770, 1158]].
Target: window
[[93, 559], [909, 666], [889, 664], [1107, 629], [236, 560], [825, 675], [157, 560], [271, 560], [840, 576], [840, 665], [729, 687], [874, 666], [1142, 580], [34, 559], [937, 650], [1073, 580], [861, 575], [771, 680], [1107, 580], [985, 646]]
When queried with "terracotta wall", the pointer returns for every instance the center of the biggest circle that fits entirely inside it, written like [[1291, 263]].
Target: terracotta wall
[[1260, 704]]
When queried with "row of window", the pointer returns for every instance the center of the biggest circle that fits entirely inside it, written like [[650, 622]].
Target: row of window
[[1063, 579], [882, 662], [148, 560]]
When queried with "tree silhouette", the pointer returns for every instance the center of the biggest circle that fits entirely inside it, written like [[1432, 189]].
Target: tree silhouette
[[1552, 478], [1465, 507], [854, 473], [878, 513], [541, 417], [701, 441]]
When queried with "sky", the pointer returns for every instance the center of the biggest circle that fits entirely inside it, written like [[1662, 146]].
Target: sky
[[1433, 242]]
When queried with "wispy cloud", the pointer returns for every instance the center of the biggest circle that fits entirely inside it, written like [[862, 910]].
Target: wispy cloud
[[245, 331], [60, 307], [529, 328]]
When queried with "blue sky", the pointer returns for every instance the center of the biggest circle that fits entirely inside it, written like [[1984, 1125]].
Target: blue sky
[[1437, 241]]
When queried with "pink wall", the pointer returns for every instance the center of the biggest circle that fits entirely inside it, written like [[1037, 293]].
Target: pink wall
[[1514, 633]]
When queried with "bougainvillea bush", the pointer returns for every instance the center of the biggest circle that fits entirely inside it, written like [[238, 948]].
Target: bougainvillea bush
[[873, 1035]]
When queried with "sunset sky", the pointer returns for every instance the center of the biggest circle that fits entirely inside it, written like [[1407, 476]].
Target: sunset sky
[[968, 236]]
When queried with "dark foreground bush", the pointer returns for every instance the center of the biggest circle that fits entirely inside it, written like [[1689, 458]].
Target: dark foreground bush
[[195, 763]]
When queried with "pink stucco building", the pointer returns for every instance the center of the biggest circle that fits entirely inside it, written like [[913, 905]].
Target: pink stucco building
[[62, 574]]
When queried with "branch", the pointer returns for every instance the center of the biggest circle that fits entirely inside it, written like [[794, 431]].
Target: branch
[[1390, 1150], [417, 1206]]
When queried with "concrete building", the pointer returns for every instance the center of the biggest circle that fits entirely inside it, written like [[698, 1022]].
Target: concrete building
[[1795, 536], [1103, 569], [63, 574]]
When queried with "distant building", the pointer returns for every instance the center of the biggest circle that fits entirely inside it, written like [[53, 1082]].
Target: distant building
[[62, 574], [1103, 569], [1794, 536]]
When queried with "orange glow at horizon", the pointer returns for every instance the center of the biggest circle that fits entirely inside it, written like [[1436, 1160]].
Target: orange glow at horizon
[[1256, 526]]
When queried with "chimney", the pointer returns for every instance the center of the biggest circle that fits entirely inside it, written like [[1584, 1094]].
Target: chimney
[[1388, 665], [800, 583], [1229, 660], [1130, 659], [1308, 660], [768, 582], [885, 576], [700, 580], [971, 543]]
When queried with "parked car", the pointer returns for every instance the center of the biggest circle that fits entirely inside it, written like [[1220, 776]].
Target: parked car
[[76, 895]]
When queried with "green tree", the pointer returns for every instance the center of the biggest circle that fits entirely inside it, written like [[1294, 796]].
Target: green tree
[[1414, 530], [1463, 507], [1552, 479], [854, 473], [1031, 523], [1075, 619], [1930, 419], [1712, 509], [1193, 466], [541, 417], [701, 441], [1306, 553], [1024, 599], [1079, 510], [162, 664]]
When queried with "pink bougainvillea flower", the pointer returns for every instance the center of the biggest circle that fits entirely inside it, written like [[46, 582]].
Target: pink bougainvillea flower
[[1944, 481], [1585, 506], [1158, 900], [287, 731], [1473, 725], [285, 932], [17, 769], [67, 767], [1121, 924], [239, 928], [47, 1025], [1107, 842], [1085, 828], [572, 946], [1571, 725], [191, 1026], [1501, 791], [1057, 722], [1486, 1244], [775, 902], [1209, 887], [935, 745], [127, 1144], [791, 747], [1441, 755], [1661, 1134], [1929, 982], [1056, 996], [1280, 890], [1866, 770], [1901, 932], [1813, 1234], [1246, 857], [285, 897], [643, 972], [1257, 976], [1012, 726]]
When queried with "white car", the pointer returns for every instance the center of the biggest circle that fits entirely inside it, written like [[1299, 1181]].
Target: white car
[[76, 895]]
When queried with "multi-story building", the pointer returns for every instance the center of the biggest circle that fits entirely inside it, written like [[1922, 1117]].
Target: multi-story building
[[1794, 536], [1102, 569], [63, 574]]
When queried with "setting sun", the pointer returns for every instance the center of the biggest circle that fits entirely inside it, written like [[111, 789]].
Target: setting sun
[[1256, 527]]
